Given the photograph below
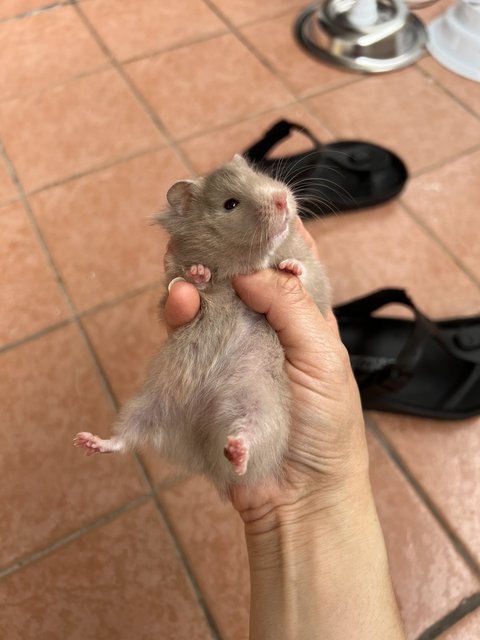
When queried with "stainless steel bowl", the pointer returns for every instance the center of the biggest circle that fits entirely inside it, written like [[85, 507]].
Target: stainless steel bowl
[[328, 32]]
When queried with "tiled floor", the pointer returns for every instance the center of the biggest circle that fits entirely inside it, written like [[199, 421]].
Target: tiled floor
[[103, 104]]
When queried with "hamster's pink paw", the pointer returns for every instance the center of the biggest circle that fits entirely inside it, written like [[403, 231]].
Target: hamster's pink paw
[[199, 274], [92, 444], [292, 266], [236, 452]]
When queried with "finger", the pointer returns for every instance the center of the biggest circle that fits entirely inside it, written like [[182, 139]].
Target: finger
[[288, 308], [183, 304], [309, 241], [332, 322]]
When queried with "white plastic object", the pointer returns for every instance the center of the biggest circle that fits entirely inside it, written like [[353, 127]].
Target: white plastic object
[[454, 39], [364, 13]]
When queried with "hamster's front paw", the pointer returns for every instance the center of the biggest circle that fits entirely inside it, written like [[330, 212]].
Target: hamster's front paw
[[292, 266], [199, 274]]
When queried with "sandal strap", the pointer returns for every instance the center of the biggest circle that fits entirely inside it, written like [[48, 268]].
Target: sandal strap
[[273, 136], [394, 376], [464, 344]]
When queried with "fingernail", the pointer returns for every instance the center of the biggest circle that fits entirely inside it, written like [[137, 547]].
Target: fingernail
[[172, 282]]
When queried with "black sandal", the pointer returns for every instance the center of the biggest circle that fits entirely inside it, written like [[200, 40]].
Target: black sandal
[[340, 176], [417, 367]]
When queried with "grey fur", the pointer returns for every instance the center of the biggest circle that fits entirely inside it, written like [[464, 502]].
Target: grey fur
[[223, 373]]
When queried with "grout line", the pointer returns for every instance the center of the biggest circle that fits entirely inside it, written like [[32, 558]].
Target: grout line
[[178, 45], [442, 163], [133, 293], [33, 336], [135, 91], [186, 564], [33, 12], [81, 314], [23, 95], [37, 231], [440, 243], [446, 90], [112, 398], [96, 524], [264, 61], [455, 540], [98, 168], [466, 606]]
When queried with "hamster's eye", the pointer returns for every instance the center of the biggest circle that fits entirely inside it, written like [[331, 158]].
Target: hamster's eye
[[230, 204]]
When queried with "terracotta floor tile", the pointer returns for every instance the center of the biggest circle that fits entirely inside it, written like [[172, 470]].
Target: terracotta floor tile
[[125, 337], [49, 488], [429, 577], [29, 51], [467, 91], [444, 458], [189, 103], [466, 629], [121, 581], [306, 75], [207, 151], [446, 200], [427, 14], [7, 188], [31, 299], [137, 27], [384, 247], [12, 8], [213, 540], [403, 111], [97, 227], [250, 10], [88, 122]]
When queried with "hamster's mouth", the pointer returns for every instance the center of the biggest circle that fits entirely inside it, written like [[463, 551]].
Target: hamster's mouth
[[279, 235]]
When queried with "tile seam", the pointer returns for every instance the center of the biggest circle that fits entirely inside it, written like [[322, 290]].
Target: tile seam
[[111, 397], [135, 92], [428, 502], [33, 12], [236, 31], [443, 163], [8, 346], [446, 91], [462, 610], [430, 233], [106, 518], [55, 85], [97, 169]]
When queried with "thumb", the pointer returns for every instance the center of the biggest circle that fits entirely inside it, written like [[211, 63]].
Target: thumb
[[289, 309]]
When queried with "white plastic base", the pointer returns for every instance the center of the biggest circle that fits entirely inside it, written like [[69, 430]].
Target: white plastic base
[[454, 39]]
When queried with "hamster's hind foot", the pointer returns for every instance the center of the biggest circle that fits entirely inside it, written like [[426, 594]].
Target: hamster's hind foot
[[292, 266], [199, 274], [93, 444], [236, 452]]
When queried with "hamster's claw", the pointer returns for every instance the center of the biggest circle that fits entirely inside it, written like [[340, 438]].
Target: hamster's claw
[[292, 266], [199, 274]]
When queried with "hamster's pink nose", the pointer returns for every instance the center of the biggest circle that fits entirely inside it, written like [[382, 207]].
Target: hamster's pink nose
[[280, 200]]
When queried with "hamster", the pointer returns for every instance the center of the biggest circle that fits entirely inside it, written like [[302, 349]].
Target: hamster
[[216, 397]]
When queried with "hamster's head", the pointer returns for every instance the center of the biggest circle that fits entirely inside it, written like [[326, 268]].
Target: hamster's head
[[232, 218]]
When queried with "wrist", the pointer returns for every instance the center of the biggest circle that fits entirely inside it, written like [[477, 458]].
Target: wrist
[[321, 566], [297, 524]]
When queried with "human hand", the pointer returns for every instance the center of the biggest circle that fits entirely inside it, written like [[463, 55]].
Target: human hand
[[327, 457]]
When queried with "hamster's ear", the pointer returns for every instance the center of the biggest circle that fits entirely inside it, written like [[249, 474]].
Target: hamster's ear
[[239, 160], [179, 194]]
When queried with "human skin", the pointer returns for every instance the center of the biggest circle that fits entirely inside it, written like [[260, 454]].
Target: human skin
[[318, 565]]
